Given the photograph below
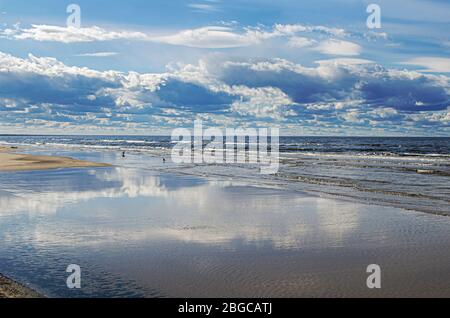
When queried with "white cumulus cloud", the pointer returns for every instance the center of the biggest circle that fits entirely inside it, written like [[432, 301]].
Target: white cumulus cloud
[[431, 64], [339, 47]]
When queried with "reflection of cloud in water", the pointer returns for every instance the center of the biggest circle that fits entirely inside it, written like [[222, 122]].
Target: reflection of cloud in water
[[202, 213], [338, 219], [115, 183], [134, 183], [285, 222]]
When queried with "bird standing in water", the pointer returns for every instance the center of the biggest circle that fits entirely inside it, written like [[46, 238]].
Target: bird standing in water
[[123, 154]]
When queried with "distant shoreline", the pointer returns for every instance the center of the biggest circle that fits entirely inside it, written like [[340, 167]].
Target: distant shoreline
[[12, 289], [11, 161]]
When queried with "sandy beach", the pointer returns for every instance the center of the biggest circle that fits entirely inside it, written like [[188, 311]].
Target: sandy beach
[[11, 161]]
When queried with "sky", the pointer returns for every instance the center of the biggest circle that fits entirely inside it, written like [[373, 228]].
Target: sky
[[147, 67]]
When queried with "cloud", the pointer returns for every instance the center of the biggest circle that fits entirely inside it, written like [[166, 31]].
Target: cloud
[[46, 80], [222, 37], [344, 62], [341, 79], [344, 93], [70, 34], [98, 54], [431, 64], [339, 47], [291, 29], [203, 7], [300, 42], [208, 37], [374, 36], [264, 102]]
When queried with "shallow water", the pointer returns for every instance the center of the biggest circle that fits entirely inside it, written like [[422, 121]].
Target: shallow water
[[137, 233], [410, 173]]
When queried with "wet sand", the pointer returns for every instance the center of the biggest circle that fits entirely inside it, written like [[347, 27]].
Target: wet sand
[[12, 289], [10, 161], [141, 233]]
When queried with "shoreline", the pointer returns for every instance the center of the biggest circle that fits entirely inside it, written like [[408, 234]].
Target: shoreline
[[12, 161], [12, 289]]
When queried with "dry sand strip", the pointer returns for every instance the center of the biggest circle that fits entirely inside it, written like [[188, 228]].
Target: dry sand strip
[[10, 161], [11, 289]]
